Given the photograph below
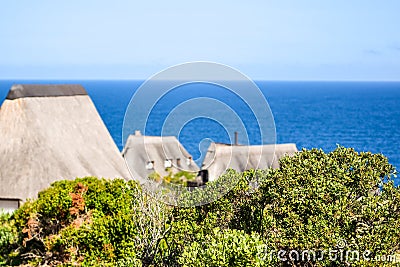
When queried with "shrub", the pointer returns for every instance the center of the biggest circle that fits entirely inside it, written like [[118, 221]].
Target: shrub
[[319, 201], [225, 248], [316, 201], [90, 221], [181, 177], [8, 237]]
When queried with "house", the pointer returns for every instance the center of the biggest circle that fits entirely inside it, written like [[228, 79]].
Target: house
[[148, 155], [49, 133], [220, 157]]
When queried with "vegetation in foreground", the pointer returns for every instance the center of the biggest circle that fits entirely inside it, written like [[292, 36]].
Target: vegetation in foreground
[[332, 203]]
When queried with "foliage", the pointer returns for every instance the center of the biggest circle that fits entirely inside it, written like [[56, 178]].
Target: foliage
[[225, 248], [8, 236], [90, 221], [315, 201], [180, 177]]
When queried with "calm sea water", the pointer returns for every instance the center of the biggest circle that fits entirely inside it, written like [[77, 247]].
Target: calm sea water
[[363, 115]]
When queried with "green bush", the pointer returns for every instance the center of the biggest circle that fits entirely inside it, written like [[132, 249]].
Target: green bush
[[8, 236], [315, 201], [180, 177], [225, 248], [90, 221]]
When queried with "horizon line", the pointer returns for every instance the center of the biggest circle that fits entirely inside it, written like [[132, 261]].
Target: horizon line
[[141, 79]]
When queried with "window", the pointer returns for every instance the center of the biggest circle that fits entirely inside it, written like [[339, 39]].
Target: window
[[168, 163], [189, 161], [9, 205], [150, 165]]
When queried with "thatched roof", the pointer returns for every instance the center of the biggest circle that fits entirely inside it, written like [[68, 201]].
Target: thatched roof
[[143, 152], [52, 132], [221, 157]]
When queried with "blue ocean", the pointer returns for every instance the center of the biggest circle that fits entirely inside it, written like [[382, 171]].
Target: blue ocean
[[362, 115]]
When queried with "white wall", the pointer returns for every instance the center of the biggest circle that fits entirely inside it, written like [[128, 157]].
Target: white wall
[[9, 205]]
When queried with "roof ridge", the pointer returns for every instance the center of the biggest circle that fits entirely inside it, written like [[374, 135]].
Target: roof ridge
[[44, 90]]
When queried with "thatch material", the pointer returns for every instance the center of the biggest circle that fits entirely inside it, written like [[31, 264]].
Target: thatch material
[[143, 152], [52, 132], [221, 157]]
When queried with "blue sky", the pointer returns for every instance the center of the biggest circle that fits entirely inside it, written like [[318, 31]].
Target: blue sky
[[274, 40]]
